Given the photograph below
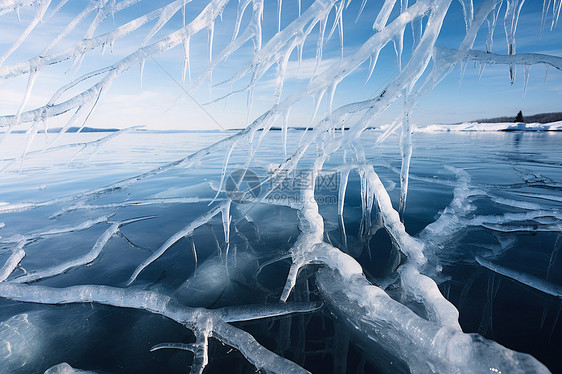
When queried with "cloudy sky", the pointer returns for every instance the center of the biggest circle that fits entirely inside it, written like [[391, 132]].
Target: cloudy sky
[[161, 101]]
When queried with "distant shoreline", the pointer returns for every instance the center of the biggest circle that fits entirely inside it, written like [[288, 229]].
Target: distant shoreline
[[534, 118], [535, 122], [71, 130]]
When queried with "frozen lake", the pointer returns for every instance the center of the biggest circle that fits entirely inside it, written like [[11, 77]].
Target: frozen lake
[[507, 211]]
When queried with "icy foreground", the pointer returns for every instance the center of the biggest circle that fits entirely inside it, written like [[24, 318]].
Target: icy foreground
[[402, 319]]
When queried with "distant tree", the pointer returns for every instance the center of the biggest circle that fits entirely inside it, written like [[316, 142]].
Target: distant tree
[[519, 117]]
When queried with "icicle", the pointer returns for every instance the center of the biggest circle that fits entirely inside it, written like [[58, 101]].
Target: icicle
[[194, 251], [512, 72], [527, 69], [258, 8], [284, 131], [366, 205], [546, 72], [468, 12], [481, 68], [141, 69], [393, 126], [27, 94], [406, 153], [338, 21], [211, 37], [463, 68], [300, 48], [363, 3], [554, 255], [77, 62], [491, 21], [340, 29], [544, 314], [344, 176], [398, 46], [331, 93], [30, 136], [223, 173], [186, 63], [183, 11], [291, 279], [384, 14], [545, 7], [16, 119], [299, 5], [417, 31], [112, 10], [279, 5], [250, 102], [372, 63], [320, 44], [317, 100], [281, 69], [403, 5], [555, 13], [511, 19]]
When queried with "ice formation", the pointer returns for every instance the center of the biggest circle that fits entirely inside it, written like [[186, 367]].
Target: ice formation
[[420, 332], [65, 368], [527, 279]]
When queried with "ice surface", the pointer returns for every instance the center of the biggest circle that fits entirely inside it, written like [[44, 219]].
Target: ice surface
[[417, 329], [19, 341], [213, 278]]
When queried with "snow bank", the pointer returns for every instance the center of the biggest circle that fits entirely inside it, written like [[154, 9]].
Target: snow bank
[[502, 126]]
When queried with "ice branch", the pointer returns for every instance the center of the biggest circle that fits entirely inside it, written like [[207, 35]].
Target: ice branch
[[205, 323], [515, 59]]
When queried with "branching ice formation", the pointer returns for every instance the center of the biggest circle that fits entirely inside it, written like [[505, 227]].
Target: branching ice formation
[[187, 230], [205, 323], [527, 279], [427, 338], [80, 261]]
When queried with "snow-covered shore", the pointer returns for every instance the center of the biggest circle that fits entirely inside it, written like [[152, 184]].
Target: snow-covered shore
[[504, 126]]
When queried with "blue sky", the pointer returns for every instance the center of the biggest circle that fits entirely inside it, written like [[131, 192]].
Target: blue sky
[[161, 104]]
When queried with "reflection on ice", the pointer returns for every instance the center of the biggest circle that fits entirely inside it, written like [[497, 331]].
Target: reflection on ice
[[218, 278]]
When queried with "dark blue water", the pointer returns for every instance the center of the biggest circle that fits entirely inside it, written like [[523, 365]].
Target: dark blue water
[[524, 167]]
